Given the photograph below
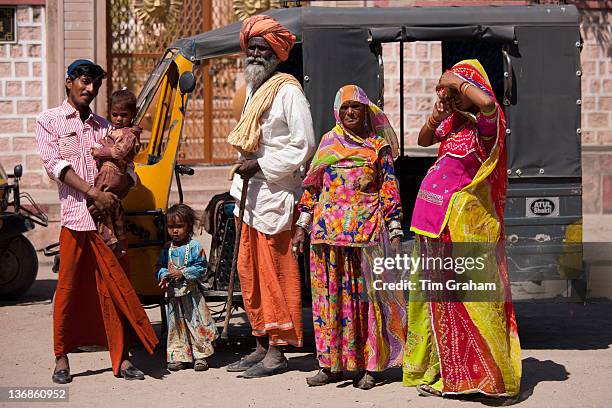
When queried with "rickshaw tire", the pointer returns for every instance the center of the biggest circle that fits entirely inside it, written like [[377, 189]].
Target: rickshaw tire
[[18, 252]]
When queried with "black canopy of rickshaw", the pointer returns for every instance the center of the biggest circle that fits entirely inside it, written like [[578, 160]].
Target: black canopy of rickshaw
[[543, 51], [540, 47], [421, 24]]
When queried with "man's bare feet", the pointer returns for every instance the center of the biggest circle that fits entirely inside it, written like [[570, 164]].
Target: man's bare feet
[[125, 364], [61, 363]]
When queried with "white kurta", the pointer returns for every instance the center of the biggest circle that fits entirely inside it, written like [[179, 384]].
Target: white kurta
[[287, 142]]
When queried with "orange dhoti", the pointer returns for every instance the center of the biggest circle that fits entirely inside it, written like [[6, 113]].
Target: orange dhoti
[[270, 284], [95, 303]]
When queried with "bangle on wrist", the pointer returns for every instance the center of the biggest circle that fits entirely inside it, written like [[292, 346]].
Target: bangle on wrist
[[464, 87], [432, 123], [394, 224], [304, 221], [396, 233]]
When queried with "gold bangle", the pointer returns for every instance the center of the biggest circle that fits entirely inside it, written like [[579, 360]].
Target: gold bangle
[[464, 86], [432, 124]]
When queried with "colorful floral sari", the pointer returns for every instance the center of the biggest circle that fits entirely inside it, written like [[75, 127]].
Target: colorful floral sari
[[352, 196], [464, 347]]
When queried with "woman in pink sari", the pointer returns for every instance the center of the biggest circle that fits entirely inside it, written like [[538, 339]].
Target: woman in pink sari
[[460, 347]]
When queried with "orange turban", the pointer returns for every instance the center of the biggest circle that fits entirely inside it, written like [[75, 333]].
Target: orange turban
[[278, 37]]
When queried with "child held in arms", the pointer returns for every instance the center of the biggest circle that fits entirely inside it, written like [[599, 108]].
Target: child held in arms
[[180, 269], [114, 157]]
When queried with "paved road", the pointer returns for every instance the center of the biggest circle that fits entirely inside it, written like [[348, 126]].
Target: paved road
[[567, 362]]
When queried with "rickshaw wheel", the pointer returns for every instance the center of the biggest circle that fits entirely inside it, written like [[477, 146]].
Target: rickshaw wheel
[[18, 267]]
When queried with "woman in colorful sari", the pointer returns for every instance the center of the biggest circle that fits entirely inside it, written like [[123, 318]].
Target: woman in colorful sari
[[351, 202], [461, 347]]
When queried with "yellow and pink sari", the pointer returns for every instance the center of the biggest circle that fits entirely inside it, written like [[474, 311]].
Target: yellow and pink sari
[[460, 347]]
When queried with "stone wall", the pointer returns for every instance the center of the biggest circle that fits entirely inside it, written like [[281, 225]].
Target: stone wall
[[76, 29], [422, 68], [597, 107], [22, 94]]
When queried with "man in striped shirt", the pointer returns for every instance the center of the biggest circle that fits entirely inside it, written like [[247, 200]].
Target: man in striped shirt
[[95, 303]]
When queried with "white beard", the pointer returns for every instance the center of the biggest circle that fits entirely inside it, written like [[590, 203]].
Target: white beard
[[256, 74]]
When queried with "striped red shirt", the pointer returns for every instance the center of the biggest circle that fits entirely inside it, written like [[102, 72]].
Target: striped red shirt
[[64, 140]]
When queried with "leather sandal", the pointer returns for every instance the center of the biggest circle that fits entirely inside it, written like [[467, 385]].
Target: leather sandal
[[200, 365], [131, 373], [323, 377], [243, 364], [62, 376], [259, 370], [176, 366]]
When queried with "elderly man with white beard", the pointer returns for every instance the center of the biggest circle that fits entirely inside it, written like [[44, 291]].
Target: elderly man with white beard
[[275, 138]]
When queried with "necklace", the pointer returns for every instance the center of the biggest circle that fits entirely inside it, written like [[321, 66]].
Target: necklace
[[185, 260]]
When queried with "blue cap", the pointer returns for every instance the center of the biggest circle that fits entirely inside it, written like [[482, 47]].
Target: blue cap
[[79, 63]]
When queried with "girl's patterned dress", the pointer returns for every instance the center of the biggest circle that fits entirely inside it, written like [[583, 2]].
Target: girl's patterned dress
[[191, 328]]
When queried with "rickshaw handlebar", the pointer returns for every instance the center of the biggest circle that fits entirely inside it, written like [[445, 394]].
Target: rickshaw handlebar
[[184, 170]]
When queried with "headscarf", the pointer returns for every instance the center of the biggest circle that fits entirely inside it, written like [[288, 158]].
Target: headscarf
[[472, 72], [494, 168], [276, 35], [340, 144]]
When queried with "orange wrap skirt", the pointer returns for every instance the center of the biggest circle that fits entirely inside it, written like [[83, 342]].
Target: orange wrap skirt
[[95, 303], [270, 284]]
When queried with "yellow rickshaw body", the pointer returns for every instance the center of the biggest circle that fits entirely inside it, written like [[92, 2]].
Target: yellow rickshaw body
[[147, 202]]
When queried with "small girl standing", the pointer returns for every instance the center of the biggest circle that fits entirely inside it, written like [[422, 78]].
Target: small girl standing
[[181, 265]]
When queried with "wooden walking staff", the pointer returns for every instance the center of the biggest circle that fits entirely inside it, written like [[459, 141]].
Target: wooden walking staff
[[230, 289]]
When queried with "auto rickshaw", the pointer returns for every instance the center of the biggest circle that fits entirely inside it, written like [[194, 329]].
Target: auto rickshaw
[[18, 259], [527, 51]]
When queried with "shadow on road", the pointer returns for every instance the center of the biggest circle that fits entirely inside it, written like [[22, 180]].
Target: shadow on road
[[92, 372], [41, 292], [536, 371], [565, 326], [153, 366], [227, 351]]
